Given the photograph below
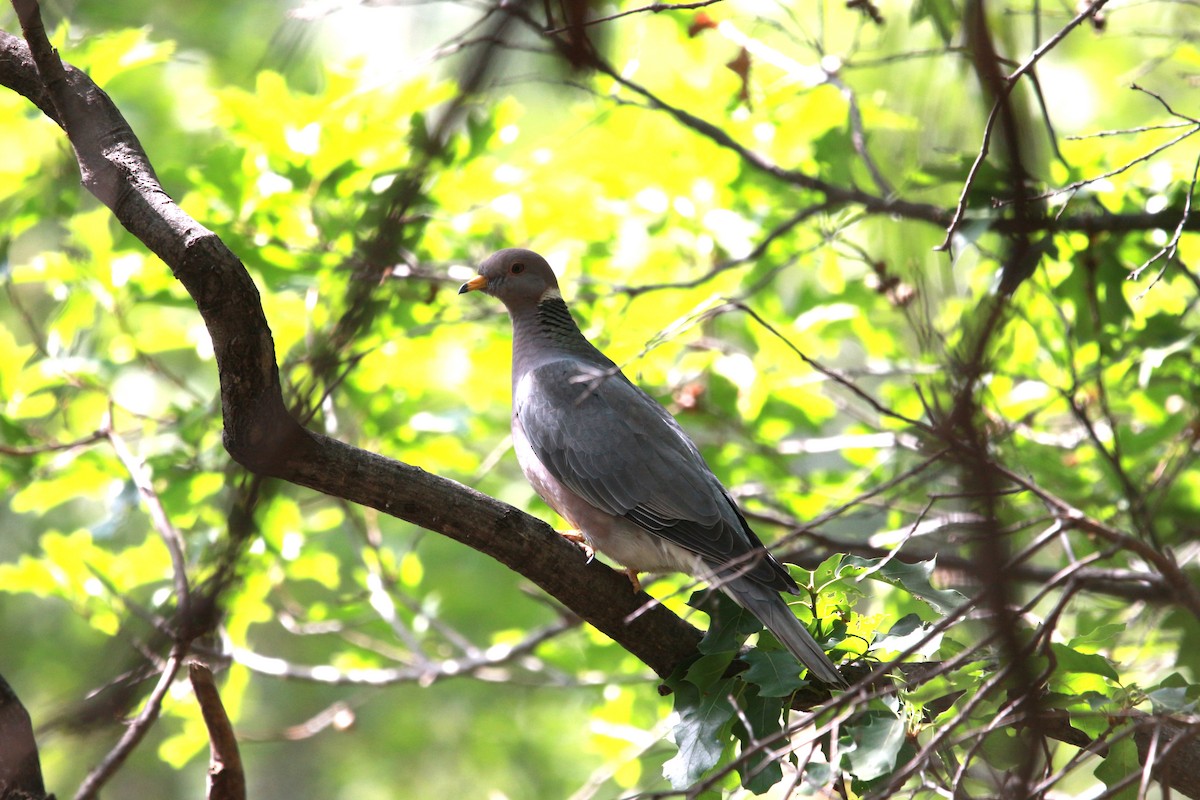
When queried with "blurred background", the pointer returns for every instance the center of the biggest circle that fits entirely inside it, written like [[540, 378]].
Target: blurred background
[[680, 169]]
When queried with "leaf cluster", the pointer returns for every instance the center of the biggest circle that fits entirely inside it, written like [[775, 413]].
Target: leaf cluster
[[939, 342]]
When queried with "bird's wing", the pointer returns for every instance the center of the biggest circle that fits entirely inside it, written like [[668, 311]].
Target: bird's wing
[[613, 445]]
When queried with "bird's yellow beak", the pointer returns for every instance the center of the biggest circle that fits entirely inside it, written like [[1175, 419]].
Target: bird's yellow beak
[[478, 282]]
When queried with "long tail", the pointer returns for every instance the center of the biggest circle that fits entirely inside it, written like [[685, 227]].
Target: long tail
[[773, 612]]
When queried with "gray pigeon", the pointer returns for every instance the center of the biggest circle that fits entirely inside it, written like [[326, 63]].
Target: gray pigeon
[[618, 467]]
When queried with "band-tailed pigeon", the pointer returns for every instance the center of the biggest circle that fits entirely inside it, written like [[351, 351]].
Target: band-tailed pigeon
[[617, 466]]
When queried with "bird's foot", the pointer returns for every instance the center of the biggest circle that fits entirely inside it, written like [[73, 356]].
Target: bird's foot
[[576, 536], [632, 574]]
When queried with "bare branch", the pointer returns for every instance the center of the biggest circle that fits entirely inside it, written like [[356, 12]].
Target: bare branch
[[158, 516], [137, 730], [226, 777], [484, 665], [1088, 11], [653, 8]]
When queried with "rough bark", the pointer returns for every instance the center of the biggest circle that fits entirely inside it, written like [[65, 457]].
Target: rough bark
[[262, 436]]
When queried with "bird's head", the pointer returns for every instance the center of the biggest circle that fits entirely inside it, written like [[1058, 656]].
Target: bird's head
[[519, 278]]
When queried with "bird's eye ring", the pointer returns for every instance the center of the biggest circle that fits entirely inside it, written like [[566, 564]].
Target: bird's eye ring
[[517, 268]]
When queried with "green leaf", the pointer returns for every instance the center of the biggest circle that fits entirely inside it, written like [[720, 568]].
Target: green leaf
[[818, 777], [877, 738], [1070, 660], [697, 734], [1101, 635], [907, 631], [1121, 761], [1171, 700], [1005, 749], [708, 669], [759, 769], [729, 624], [913, 578], [942, 14], [774, 672], [828, 570]]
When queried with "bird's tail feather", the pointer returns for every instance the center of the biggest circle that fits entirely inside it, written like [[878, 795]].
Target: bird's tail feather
[[773, 612]]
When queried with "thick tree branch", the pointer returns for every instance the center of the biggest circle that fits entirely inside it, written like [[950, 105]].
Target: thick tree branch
[[20, 768], [259, 432]]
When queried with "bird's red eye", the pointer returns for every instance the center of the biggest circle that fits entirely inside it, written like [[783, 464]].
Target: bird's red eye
[[517, 268]]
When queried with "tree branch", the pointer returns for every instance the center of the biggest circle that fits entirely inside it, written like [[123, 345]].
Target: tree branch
[[20, 768], [226, 778], [261, 435]]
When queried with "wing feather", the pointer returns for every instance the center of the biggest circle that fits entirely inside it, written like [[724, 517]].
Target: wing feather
[[613, 445]]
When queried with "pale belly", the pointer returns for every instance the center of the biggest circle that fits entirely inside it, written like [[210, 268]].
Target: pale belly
[[616, 537]]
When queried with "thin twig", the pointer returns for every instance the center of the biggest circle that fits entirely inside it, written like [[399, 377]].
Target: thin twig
[[1088, 11], [833, 375], [51, 447], [482, 666], [1009, 83], [858, 136], [721, 267], [1185, 591], [170, 535], [1171, 248], [137, 729], [653, 8]]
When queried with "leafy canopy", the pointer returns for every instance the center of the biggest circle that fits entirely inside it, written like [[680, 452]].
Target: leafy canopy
[[982, 454]]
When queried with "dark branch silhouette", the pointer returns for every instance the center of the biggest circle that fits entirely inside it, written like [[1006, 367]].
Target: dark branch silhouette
[[269, 438]]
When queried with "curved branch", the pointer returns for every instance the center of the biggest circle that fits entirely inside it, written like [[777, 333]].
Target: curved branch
[[20, 767], [260, 434]]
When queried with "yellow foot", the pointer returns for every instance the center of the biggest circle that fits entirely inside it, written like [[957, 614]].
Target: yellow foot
[[576, 536], [632, 574]]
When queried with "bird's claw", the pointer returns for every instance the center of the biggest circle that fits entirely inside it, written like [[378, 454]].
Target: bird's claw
[[578, 538], [632, 574]]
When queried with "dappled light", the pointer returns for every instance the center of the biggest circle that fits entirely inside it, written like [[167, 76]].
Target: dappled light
[[916, 279]]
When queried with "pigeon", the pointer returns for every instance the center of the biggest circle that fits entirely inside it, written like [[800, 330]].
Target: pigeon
[[618, 467]]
